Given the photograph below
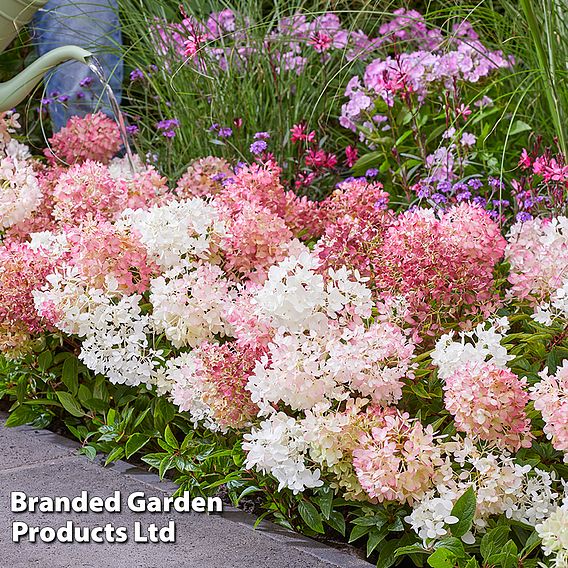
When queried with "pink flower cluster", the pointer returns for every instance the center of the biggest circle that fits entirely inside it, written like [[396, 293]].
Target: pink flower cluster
[[24, 270], [224, 38], [398, 459], [86, 190], [442, 266], [488, 403], [222, 374], [543, 185], [100, 250], [417, 74], [203, 177], [92, 137], [550, 397], [537, 252]]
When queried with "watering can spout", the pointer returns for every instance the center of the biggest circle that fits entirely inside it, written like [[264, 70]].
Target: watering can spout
[[15, 90]]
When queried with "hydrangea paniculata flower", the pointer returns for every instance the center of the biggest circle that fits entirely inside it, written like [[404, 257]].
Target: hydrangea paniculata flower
[[92, 137], [488, 403]]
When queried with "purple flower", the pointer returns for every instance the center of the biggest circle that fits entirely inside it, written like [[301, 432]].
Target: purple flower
[[258, 147], [261, 136], [463, 196], [214, 127], [475, 183], [439, 198], [372, 172], [86, 82], [444, 186], [481, 201], [46, 101], [167, 124], [80, 95], [63, 98], [225, 132], [168, 127], [495, 183], [523, 216], [136, 75], [501, 203], [132, 129], [54, 94], [218, 177]]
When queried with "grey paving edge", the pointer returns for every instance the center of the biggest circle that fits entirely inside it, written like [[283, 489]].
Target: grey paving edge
[[318, 550]]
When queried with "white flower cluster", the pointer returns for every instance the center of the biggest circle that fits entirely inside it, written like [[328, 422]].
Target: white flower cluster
[[556, 309], [117, 344], [501, 487], [182, 373], [554, 534], [114, 331], [52, 244], [16, 150], [20, 193], [537, 499], [279, 447], [480, 345], [296, 371], [189, 302], [296, 296], [176, 231], [431, 518]]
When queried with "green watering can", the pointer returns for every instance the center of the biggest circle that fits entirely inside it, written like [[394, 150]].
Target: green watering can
[[13, 15]]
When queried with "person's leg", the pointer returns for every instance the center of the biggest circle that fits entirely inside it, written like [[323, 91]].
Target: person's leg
[[72, 89]]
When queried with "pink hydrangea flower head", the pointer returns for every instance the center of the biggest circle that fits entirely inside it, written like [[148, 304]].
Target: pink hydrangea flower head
[[397, 459], [88, 189], [256, 239], [488, 403], [550, 397], [537, 252], [255, 183], [92, 137], [24, 270], [440, 265], [222, 380], [359, 198], [203, 177], [101, 250]]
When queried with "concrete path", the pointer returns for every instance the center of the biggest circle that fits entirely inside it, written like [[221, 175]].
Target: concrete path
[[41, 463]]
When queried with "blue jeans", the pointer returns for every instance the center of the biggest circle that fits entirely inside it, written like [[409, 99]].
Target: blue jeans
[[71, 88]]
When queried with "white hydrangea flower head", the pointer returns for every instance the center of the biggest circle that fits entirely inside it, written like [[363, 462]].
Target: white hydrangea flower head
[[482, 344], [189, 302], [117, 344], [278, 447], [20, 194], [431, 518], [554, 534], [295, 371], [292, 293], [180, 230]]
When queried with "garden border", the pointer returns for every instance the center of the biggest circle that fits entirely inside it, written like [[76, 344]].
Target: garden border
[[320, 551]]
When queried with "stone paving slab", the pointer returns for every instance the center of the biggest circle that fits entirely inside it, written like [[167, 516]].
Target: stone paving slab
[[41, 463]]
